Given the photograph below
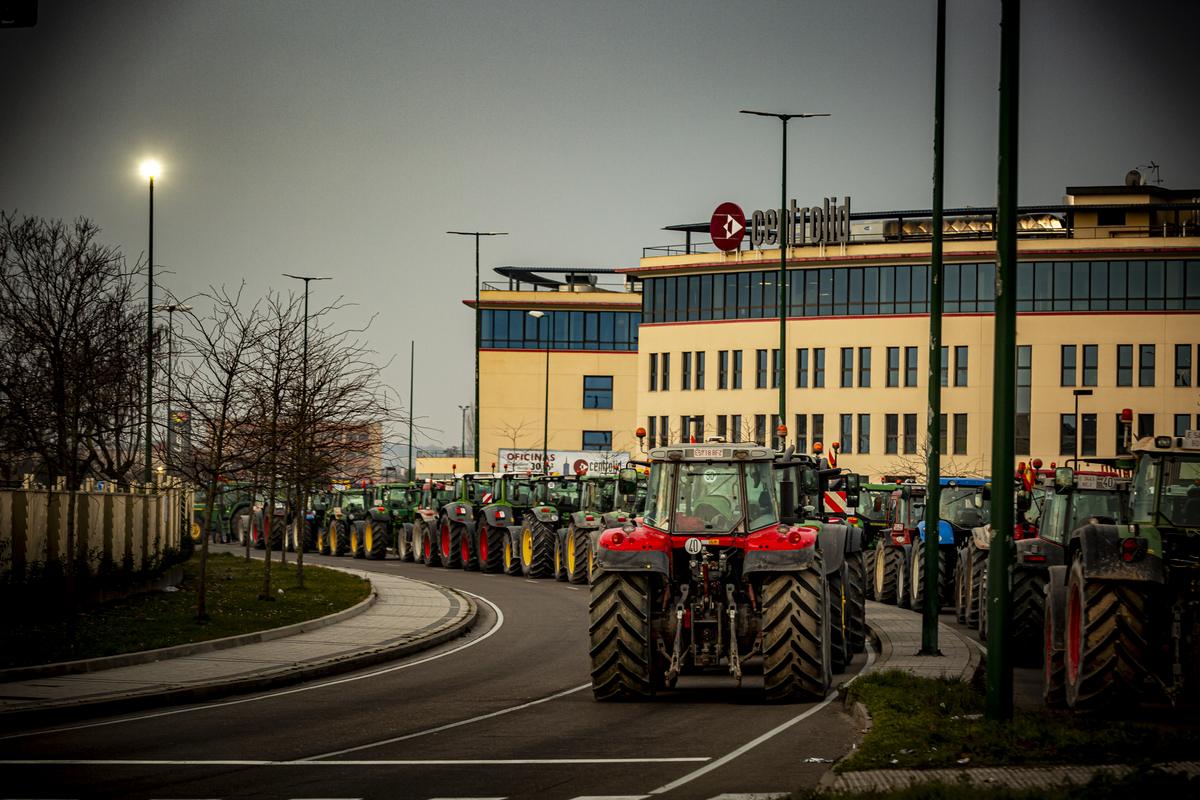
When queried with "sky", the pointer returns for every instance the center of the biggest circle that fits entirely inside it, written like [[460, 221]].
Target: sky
[[344, 138]]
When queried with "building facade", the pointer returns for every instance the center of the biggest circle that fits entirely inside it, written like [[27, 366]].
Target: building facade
[[1108, 295]]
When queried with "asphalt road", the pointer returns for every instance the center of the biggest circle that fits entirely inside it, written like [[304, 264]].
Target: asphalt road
[[505, 712]]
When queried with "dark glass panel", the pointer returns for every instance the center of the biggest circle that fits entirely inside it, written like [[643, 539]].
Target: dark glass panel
[[1043, 286]]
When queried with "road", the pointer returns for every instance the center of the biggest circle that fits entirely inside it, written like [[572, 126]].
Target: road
[[505, 712]]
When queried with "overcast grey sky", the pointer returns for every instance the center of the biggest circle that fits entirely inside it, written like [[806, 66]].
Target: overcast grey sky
[[343, 139]]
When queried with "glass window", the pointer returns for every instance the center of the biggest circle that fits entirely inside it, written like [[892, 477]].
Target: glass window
[[910, 434], [1099, 289], [760, 374], [743, 295], [945, 366], [1066, 435], [737, 369], [735, 423], [664, 432], [723, 426], [685, 382], [597, 440], [1062, 286], [839, 292], [950, 288], [856, 292], [1124, 365], [776, 367], [1091, 362], [920, 289], [756, 295], [871, 290], [1136, 291], [654, 372], [818, 428], [864, 368], [1080, 279], [1024, 378], [1146, 365], [1024, 286], [826, 299], [847, 367], [777, 444], [652, 432], [966, 287], [960, 365], [1117, 285], [722, 369], [1043, 286], [960, 434], [818, 367], [1183, 365], [910, 366], [760, 496], [699, 370], [1182, 424], [943, 433], [893, 366], [802, 368], [658, 495], [1067, 374], [891, 434], [1087, 440], [597, 391], [760, 429], [1155, 288], [801, 433], [666, 372], [846, 440], [1145, 425], [864, 433]]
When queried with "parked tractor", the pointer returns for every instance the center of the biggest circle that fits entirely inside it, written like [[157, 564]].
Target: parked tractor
[[457, 544], [231, 512], [1125, 605], [710, 577], [345, 523], [618, 502], [498, 535], [426, 524], [543, 526], [871, 516], [400, 501], [904, 509]]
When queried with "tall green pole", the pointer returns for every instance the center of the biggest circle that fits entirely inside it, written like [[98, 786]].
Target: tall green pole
[[546, 406], [412, 353], [150, 337], [783, 230], [999, 701], [478, 346], [933, 475]]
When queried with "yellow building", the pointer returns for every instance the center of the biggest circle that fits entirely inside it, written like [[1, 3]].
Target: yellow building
[[586, 343], [1108, 291]]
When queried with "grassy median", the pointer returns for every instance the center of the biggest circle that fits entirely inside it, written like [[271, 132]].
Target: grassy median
[[163, 619]]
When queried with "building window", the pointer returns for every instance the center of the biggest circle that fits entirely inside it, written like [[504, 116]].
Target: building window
[[597, 440], [664, 432], [1122, 450], [910, 434], [864, 368], [1024, 387], [685, 427], [801, 433], [1124, 365], [864, 433], [960, 434], [910, 366], [666, 372], [945, 366], [846, 439], [1066, 435], [699, 370], [1146, 365], [1087, 438], [760, 373], [802, 368], [1182, 421], [723, 427], [723, 369], [777, 443], [960, 366], [654, 372], [847, 367], [818, 429], [760, 428], [1091, 361], [597, 391], [776, 369], [893, 366], [685, 382], [943, 433], [1183, 365], [818, 367], [1067, 374], [737, 369], [891, 434], [652, 432], [735, 422], [1145, 425]]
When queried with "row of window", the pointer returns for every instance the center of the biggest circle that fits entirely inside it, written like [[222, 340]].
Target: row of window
[[730, 368], [1086, 373], [1084, 427], [560, 330], [967, 288]]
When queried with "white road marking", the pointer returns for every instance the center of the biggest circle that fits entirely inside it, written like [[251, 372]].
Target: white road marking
[[528, 580], [977, 644], [445, 762], [611, 797], [720, 762], [752, 796], [576, 589], [209, 707], [450, 725]]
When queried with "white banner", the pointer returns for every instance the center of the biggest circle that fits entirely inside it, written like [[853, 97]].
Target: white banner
[[563, 462]]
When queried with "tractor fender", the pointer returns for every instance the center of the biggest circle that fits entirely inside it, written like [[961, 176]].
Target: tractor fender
[[945, 532], [982, 537], [1056, 606], [458, 512], [778, 560], [1053, 554], [429, 515], [854, 539], [642, 550], [580, 520], [380, 516], [498, 516], [549, 517], [408, 531], [1100, 548], [831, 540]]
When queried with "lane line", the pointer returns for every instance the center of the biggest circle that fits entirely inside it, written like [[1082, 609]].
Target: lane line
[[720, 762], [209, 707], [447, 726], [452, 762]]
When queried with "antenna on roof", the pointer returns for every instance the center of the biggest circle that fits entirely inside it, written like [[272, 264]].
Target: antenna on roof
[[1157, 177]]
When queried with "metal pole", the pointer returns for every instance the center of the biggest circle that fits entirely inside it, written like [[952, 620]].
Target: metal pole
[[782, 231], [933, 475], [412, 353], [999, 701], [150, 336], [478, 345], [546, 406], [171, 387]]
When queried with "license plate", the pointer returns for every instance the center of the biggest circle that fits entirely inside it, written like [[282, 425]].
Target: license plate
[[708, 452]]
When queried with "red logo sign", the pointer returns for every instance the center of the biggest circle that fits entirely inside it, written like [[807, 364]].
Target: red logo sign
[[727, 227]]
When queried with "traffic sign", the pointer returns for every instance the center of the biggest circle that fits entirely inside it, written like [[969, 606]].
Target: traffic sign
[[727, 227]]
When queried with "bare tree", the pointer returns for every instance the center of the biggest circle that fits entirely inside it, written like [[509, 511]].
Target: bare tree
[[512, 433], [916, 464]]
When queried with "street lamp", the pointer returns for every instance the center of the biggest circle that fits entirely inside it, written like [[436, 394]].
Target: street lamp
[[478, 326], [546, 408], [170, 308], [150, 169], [1079, 427], [463, 409], [781, 228], [304, 363]]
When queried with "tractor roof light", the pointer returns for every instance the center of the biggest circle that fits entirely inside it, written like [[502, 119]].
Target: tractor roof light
[[741, 453], [1037, 463], [641, 433], [1126, 415], [675, 455]]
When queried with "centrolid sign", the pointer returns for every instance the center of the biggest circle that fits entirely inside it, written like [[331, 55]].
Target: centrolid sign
[[826, 223]]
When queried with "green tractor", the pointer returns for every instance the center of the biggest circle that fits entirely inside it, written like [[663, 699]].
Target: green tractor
[[434, 495], [457, 544], [498, 534], [542, 531], [345, 523], [1124, 608], [400, 501], [871, 516], [232, 510]]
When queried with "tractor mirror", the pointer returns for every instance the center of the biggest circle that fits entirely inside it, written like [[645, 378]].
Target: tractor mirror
[[1064, 480], [787, 499], [627, 481], [1023, 501], [851, 485], [987, 492], [810, 482]]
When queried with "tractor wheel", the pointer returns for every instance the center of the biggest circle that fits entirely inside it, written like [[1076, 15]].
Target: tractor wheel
[[795, 631], [293, 535], [1029, 616], [239, 526], [869, 568], [560, 555], [917, 574], [903, 594], [198, 527], [1054, 660], [312, 534], [537, 549], [431, 552], [274, 531], [1106, 641], [449, 544], [468, 550], [491, 550], [856, 607], [887, 563], [256, 533], [375, 540], [512, 554], [839, 620], [960, 588], [976, 565], [579, 548], [621, 649], [340, 537], [358, 531], [404, 541], [983, 607], [324, 536]]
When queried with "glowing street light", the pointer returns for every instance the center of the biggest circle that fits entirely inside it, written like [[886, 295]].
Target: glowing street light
[[150, 170]]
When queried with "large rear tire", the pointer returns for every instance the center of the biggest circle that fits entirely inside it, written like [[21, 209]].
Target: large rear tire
[[256, 533], [341, 537], [430, 549], [449, 545], [491, 550], [960, 588], [887, 564], [621, 649], [1029, 616], [537, 549], [795, 631], [404, 541], [358, 534], [579, 546], [467, 548], [869, 569], [917, 582], [1054, 661], [903, 595], [1106, 641], [976, 566], [856, 602], [512, 554], [839, 620], [376, 540], [325, 534], [560, 555]]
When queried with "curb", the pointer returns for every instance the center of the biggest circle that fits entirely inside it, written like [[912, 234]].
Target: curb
[[50, 715]]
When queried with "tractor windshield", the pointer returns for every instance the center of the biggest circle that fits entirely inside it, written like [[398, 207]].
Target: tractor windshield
[[709, 498], [964, 506], [564, 495], [1088, 504], [872, 504], [477, 488], [658, 495], [353, 502], [397, 497], [1174, 481]]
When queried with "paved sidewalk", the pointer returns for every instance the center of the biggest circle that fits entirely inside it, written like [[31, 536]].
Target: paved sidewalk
[[899, 633], [407, 616], [1016, 777]]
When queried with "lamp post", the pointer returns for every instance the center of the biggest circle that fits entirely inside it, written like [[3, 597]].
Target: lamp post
[[1078, 425], [782, 235], [170, 308], [545, 408], [304, 362], [478, 326], [150, 169], [463, 409]]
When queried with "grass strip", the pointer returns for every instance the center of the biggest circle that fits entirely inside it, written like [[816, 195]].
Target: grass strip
[[926, 723], [164, 619]]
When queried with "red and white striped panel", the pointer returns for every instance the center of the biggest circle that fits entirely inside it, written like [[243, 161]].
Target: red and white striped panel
[[487, 498], [835, 502]]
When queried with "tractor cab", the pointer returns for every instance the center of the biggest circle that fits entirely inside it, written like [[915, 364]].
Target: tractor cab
[[905, 512], [964, 504], [1166, 484]]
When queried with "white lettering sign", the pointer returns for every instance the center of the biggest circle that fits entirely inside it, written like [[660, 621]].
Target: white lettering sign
[[563, 462]]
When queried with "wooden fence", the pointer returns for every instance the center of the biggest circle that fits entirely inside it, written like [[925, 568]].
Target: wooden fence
[[122, 524]]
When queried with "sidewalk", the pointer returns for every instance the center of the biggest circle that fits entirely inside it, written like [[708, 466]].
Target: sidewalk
[[899, 634], [406, 617]]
